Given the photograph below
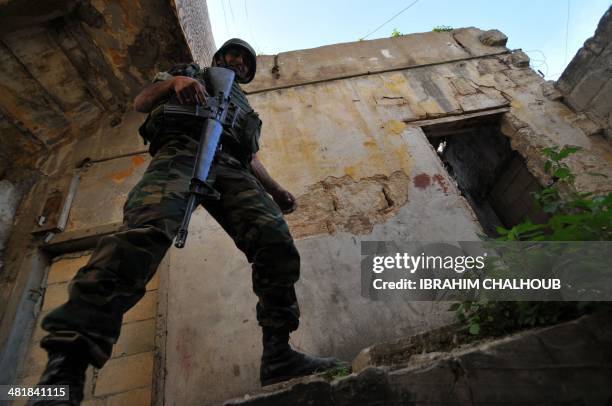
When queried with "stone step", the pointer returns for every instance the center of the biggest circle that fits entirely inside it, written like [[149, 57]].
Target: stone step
[[400, 351], [566, 364]]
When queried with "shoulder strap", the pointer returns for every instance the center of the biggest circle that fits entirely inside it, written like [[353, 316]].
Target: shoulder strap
[[238, 98]]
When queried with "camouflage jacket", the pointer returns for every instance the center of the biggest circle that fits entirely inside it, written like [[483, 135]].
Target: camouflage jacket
[[241, 140]]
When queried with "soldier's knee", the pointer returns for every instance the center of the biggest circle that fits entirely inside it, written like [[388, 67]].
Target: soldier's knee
[[279, 255], [152, 223]]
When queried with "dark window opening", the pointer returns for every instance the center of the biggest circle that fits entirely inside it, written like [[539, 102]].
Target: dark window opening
[[490, 175]]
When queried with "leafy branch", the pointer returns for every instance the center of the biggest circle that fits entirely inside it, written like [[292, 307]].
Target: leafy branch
[[580, 216]]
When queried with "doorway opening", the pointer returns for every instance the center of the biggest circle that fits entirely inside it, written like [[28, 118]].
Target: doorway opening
[[490, 175]]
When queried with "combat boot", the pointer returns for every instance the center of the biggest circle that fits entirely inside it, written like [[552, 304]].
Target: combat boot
[[280, 362], [64, 368]]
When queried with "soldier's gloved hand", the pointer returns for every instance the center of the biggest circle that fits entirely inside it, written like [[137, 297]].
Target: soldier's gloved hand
[[285, 200], [189, 90]]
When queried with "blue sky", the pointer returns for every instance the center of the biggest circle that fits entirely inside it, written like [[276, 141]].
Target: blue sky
[[539, 27]]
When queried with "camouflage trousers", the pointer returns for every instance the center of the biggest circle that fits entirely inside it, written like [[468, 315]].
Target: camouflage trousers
[[115, 277]]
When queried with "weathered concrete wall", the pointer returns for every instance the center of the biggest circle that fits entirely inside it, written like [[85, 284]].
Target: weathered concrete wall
[[586, 83], [127, 377], [350, 147], [70, 71], [342, 132], [214, 338], [68, 66], [9, 199], [193, 17]]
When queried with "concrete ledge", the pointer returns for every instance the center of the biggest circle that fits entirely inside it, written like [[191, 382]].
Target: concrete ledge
[[570, 363], [365, 57]]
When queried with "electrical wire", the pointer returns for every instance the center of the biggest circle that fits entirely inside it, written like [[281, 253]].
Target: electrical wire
[[246, 13], [224, 17], [389, 20], [231, 10], [567, 31]]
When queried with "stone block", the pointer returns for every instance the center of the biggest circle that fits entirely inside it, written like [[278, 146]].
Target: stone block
[[400, 351], [94, 402], [550, 91], [55, 295], [315, 391], [38, 333], [583, 93], [65, 269], [603, 34], [562, 364], [27, 381], [440, 383], [137, 397], [36, 360], [519, 59], [135, 338], [90, 377], [601, 105], [154, 282], [146, 308], [124, 374], [575, 70], [370, 387], [493, 38]]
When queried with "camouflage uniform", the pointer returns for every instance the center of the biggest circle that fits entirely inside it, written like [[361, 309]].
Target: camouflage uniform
[[115, 277]]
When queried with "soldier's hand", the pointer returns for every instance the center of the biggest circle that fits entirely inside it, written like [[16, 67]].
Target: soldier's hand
[[189, 90], [285, 201]]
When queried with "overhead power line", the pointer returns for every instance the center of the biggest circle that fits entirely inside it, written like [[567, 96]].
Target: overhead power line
[[391, 19], [224, 17], [231, 10], [246, 13], [567, 30]]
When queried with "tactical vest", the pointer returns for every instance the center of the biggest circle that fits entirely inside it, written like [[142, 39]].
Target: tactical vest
[[241, 130]]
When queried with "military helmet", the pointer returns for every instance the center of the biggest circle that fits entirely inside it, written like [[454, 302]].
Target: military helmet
[[238, 43]]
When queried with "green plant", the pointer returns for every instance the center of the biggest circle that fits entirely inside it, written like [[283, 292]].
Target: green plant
[[576, 217], [336, 373], [442, 28], [395, 33], [579, 217]]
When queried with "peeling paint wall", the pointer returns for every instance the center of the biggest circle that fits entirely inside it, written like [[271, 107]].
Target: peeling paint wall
[[342, 132]]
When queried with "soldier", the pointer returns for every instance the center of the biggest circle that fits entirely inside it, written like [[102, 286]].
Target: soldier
[[83, 330]]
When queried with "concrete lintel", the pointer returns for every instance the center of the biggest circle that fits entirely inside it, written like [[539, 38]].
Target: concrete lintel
[[332, 78], [458, 117]]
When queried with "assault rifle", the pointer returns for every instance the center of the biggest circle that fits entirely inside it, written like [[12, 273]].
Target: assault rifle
[[213, 112]]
